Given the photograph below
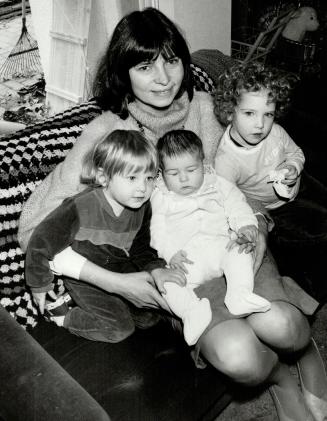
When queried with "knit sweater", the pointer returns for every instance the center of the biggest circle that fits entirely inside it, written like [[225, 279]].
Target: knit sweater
[[64, 181]]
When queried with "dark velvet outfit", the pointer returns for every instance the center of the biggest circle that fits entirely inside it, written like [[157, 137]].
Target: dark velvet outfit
[[299, 238], [87, 223]]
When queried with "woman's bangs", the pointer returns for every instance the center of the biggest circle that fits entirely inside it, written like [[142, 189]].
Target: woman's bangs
[[149, 49]]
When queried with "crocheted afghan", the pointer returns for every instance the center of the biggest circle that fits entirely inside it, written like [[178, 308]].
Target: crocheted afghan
[[26, 157]]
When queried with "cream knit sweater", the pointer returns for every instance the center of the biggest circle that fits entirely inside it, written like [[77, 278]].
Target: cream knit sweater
[[64, 181]]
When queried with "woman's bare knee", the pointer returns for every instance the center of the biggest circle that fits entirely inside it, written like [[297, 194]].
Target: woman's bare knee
[[233, 348], [283, 326]]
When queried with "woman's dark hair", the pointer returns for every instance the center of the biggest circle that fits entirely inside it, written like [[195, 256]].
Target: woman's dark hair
[[252, 77], [179, 142], [139, 37]]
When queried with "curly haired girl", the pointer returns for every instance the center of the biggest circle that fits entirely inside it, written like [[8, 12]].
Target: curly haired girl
[[260, 157]]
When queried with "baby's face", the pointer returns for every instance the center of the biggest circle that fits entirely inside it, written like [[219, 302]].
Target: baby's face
[[253, 118], [183, 174]]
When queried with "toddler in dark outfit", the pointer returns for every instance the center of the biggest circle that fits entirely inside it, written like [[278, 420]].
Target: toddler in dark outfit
[[108, 224]]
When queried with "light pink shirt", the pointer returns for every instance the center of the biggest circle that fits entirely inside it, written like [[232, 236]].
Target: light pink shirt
[[249, 168]]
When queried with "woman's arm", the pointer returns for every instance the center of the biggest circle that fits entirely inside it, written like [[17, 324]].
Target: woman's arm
[[136, 287]]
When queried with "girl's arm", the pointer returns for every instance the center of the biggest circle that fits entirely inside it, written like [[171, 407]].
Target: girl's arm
[[54, 234], [136, 287], [293, 153]]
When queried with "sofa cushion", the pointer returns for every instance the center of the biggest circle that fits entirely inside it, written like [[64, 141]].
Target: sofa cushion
[[148, 376]]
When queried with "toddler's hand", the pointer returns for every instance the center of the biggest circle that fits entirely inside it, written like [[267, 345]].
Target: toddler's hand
[[178, 260], [39, 299], [291, 175], [162, 275]]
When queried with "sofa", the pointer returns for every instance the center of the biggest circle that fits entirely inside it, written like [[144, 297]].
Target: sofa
[[49, 374]]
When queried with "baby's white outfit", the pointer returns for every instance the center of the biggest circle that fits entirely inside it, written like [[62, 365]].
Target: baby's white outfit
[[200, 224]]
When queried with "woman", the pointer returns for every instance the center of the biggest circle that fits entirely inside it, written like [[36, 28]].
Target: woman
[[144, 82]]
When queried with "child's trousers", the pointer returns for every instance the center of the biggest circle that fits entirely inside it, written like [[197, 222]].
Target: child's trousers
[[104, 317]]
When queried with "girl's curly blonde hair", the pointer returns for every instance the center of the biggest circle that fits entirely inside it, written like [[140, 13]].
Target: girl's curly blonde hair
[[252, 77]]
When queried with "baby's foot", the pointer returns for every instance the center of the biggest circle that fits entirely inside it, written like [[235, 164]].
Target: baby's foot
[[246, 303], [196, 320]]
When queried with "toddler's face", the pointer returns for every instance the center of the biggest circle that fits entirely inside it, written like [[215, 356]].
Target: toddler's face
[[130, 190], [183, 174], [253, 118]]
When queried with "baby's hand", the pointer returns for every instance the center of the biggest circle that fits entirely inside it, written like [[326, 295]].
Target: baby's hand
[[162, 275], [249, 232], [178, 260], [245, 238]]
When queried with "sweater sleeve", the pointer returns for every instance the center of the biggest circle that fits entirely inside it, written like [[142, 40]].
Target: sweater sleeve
[[64, 180], [56, 232], [294, 154], [203, 122], [141, 252]]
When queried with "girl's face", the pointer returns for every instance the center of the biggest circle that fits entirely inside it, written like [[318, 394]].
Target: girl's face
[[183, 174], [130, 190], [253, 118], [156, 83]]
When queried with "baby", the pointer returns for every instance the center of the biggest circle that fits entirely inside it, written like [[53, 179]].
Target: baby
[[197, 218]]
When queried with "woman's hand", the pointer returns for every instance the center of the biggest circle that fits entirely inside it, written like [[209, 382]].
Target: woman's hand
[[136, 287], [162, 275], [140, 290]]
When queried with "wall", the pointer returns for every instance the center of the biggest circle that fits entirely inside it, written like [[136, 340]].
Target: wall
[[206, 23], [41, 19]]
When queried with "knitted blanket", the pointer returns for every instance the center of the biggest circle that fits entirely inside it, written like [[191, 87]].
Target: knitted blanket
[[26, 157]]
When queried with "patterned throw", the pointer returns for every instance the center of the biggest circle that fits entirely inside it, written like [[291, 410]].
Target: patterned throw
[[26, 157]]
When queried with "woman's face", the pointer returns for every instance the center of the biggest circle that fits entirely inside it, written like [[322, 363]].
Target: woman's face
[[156, 83]]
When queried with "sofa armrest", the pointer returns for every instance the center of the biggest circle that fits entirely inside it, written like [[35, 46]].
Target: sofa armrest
[[35, 386]]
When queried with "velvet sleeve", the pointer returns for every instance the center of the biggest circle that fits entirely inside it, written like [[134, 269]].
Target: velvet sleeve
[[55, 233], [141, 252]]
